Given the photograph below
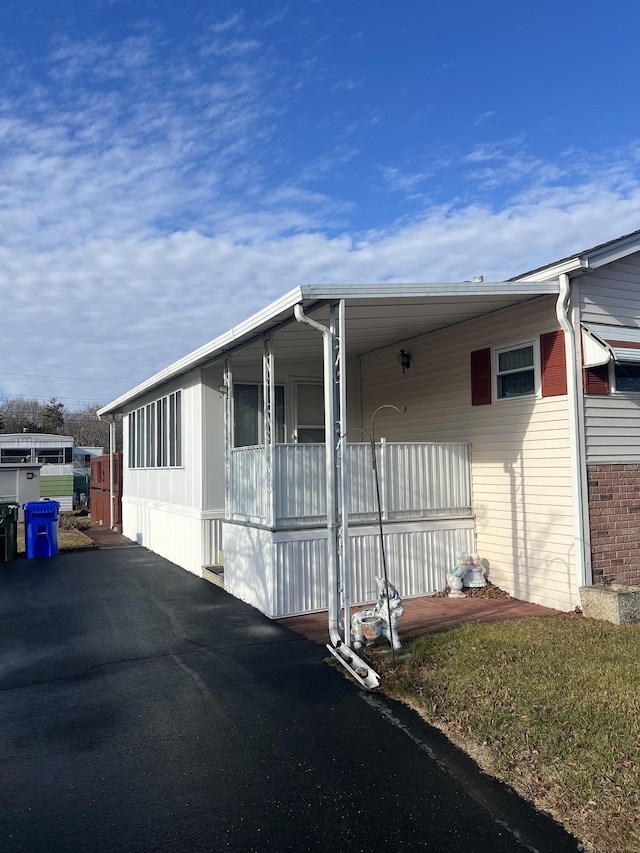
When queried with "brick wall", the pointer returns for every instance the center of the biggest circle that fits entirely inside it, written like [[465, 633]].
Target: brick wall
[[614, 512]]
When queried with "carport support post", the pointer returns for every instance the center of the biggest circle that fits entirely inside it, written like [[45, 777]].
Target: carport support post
[[336, 517], [340, 377], [268, 396], [228, 435]]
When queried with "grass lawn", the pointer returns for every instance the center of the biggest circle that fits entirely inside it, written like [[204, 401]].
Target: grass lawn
[[550, 705], [70, 535]]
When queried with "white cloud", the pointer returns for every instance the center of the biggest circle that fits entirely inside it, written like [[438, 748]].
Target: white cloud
[[126, 308], [147, 205]]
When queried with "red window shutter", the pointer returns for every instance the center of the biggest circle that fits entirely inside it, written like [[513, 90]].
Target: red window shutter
[[596, 379], [554, 372], [481, 377]]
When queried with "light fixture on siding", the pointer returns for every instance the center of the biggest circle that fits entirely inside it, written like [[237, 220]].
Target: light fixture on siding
[[223, 390], [404, 360]]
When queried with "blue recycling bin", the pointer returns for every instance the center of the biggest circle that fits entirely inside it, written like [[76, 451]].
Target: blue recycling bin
[[41, 528]]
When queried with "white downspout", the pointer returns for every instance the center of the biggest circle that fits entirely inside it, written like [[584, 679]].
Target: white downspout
[[575, 435], [112, 450], [340, 650], [329, 424]]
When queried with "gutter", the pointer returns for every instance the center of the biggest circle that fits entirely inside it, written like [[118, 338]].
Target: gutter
[[576, 437]]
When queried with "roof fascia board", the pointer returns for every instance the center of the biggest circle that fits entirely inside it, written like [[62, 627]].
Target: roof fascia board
[[589, 260], [555, 271], [534, 287], [210, 350], [266, 319], [607, 255]]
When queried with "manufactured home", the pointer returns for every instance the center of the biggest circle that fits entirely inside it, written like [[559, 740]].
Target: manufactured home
[[504, 418]]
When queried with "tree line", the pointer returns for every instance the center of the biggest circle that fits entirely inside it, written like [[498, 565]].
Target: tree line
[[21, 414]]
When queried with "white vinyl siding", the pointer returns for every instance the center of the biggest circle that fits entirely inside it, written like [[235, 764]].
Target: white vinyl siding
[[611, 295], [521, 475], [179, 482]]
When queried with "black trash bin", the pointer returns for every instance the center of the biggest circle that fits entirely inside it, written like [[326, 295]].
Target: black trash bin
[[8, 531]]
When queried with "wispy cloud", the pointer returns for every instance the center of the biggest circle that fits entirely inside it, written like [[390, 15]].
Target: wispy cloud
[[153, 194], [485, 117]]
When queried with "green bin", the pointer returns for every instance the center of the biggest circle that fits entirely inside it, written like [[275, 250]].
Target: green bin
[[8, 532]]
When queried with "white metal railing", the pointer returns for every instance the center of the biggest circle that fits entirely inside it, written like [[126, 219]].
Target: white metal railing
[[416, 479]]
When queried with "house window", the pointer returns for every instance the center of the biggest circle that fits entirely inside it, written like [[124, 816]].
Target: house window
[[53, 455], [248, 414], [10, 454], [309, 413], [627, 377], [515, 371], [530, 368], [155, 434]]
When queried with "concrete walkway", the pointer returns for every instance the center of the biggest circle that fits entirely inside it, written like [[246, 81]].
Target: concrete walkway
[[145, 710]]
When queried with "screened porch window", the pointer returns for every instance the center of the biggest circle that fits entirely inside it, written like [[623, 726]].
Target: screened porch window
[[515, 371], [248, 411], [155, 434]]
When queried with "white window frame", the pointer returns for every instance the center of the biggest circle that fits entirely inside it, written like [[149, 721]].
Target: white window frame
[[613, 378], [496, 352], [297, 427], [280, 428], [155, 433]]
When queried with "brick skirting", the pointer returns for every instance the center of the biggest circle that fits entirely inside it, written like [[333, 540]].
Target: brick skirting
[[614, 513]]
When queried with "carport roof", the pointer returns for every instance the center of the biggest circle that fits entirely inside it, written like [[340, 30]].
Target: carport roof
[[377, 315]]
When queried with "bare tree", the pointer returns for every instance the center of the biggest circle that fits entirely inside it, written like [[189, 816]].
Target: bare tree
[[88, 431], [21, 415]]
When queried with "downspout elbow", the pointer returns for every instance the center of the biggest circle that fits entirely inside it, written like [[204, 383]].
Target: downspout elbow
[[301, 317]]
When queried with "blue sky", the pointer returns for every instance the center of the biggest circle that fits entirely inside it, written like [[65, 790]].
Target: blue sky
[[167, 169]]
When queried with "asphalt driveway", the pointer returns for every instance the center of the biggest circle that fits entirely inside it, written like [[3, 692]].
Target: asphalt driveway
[[144, 709]]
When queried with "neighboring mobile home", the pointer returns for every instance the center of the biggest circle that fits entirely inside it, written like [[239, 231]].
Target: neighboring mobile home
[[509, 413], [53, 454]]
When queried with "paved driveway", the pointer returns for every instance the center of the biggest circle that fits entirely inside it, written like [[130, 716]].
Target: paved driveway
[[144, 709]]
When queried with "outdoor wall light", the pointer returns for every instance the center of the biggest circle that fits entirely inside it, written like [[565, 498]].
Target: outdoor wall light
[[29, 475], [223, 390], [404, 360]]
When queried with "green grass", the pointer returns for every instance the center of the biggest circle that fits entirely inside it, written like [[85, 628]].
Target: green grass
[[550, 705]]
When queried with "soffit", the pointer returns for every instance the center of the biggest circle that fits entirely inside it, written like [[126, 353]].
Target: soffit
[[377, 315]]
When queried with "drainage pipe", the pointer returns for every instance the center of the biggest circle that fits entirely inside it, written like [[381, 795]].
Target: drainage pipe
[[576, 438], [328, 343]]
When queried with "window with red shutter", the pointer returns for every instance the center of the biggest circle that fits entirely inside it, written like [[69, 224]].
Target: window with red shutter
[[481, 377], [596, 379], [552, 358]]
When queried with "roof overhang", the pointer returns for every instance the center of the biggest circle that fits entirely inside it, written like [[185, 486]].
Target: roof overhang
[[601, 343], [378, 315]]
